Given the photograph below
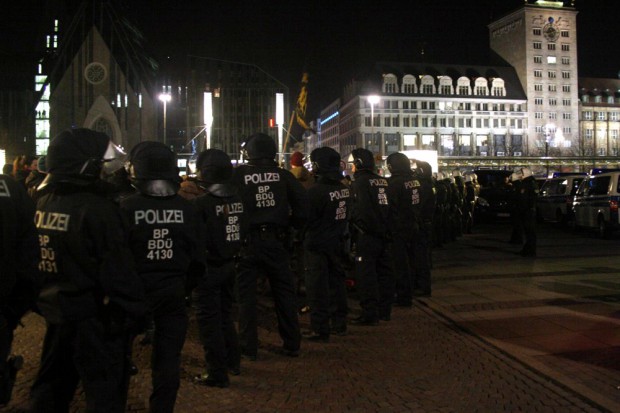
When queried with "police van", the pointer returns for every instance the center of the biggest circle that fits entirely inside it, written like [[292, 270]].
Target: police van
[[596, 202], [555, 199]]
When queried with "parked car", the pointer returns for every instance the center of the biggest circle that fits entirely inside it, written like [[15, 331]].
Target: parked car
[[596, 203], [555, 199], [494, 199]]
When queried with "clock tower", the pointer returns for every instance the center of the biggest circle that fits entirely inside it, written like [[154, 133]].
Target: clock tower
[[540, 41]]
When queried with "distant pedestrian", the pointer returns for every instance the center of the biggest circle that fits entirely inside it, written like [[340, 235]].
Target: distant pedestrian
[[514, 188], [526, 201]]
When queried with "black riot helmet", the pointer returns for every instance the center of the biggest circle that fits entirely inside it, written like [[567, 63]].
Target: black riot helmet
[[153, 170], [424, 169], [80, 156], [398, 163], [259, 146], [362, 159], [214, 166], [326, 162]]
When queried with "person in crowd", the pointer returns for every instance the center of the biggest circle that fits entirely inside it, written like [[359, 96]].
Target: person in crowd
[[526, 203], [7, 170], [22, 167], [404, 197], [370, 221], [18, 259], [164, 239], [36, 177], [323, 244], [91, 297], [273, 200], [441, 210], [469, 203], [297, 257], [459, 199], [189, 186], [299, 171], [222, 212], [514, 188], [422, 242]]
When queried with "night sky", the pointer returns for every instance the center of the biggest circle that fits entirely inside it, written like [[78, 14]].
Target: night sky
[[331, 40]]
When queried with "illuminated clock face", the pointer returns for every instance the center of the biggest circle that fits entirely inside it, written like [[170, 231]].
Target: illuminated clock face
[[551, 32], [95, 73]]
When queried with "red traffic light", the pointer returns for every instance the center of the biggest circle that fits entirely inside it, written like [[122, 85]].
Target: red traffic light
[[272, 123]]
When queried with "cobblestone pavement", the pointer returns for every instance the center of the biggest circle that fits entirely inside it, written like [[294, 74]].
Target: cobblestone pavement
[[420, 361]]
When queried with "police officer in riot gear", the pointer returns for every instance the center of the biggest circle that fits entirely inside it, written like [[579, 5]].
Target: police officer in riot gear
[[91, 296], [163, 236], [441, 210], [422, 242], [273, 200], [222, 213], [323, 245], [404, 197], [18, 258], [370, 219], [526, 202]]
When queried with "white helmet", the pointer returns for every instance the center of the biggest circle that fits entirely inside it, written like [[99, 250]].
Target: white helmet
[[526, 172], [469, 178], [515, 176], [456, 173], [439, 176]]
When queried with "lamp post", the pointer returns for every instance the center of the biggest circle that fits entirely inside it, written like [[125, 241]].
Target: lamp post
[[373, 100], [165, 98], [208, 117]]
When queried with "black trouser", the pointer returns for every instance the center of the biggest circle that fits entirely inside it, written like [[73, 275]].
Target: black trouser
[[85, 351], [170, 326], [528, 221], [403, 255], [374, 276], [422, 260], [6, 338], [326, 291], [213, 300], [266, 253]]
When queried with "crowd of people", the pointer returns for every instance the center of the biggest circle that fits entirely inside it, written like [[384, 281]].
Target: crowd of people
[[115, 246]]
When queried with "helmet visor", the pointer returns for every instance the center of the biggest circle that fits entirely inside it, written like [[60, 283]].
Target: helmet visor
[[114, 158]]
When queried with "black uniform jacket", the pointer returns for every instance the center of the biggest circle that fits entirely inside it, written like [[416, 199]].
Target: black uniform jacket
[[18, 236], [405, 199], [86, 265], [370, 209], [271, 195], [329, 201], [164, 239], [223, 216]]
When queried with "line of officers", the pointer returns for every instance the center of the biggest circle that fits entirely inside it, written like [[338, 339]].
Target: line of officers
[[111, 247]]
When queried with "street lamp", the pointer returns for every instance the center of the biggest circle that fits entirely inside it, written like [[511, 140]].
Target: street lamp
[[373, 100], [165, 98]]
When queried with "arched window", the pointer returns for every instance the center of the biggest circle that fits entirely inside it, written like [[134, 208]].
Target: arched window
[[427, 85], [409, 85], [390, 83], [102, 125], [463, 86], [445, 85], [481, 87], [497, 87]]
